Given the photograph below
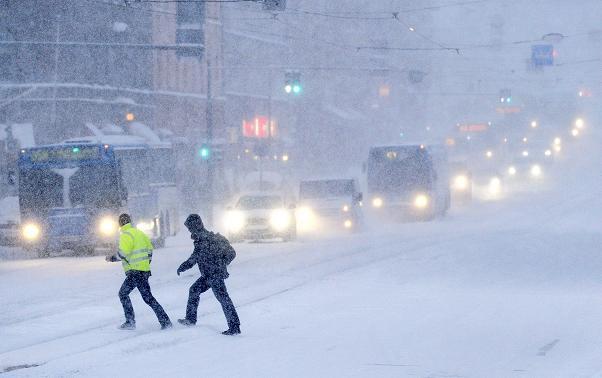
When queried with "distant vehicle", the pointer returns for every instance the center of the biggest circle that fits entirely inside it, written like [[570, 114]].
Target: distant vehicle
[[408, 181], [261, 215], [9, 221], [70, 194], [461, 182], [327, 204]]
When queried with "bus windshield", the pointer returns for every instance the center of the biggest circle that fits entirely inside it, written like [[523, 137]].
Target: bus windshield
[[94, 185], [399, 170]]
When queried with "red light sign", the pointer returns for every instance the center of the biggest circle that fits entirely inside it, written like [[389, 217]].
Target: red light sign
[[258, 128], [474, 128]]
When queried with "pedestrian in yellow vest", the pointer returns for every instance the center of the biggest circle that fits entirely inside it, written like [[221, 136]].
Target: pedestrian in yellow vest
[[136, 253]]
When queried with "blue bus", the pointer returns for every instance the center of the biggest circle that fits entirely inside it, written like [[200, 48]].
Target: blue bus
[[70, 194]]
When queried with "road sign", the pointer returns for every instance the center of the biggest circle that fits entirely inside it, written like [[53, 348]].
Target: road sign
[[542, 55]]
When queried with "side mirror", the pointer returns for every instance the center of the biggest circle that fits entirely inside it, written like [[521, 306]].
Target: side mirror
[[12, 180], [359, 197]]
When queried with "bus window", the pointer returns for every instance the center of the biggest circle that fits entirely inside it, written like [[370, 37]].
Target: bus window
[[162, 166], [134, 164]]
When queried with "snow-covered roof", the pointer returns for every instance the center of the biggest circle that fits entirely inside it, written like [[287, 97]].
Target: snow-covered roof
[[22, 132]]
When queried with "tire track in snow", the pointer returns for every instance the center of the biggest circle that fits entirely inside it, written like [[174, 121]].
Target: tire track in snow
[[46, 345]]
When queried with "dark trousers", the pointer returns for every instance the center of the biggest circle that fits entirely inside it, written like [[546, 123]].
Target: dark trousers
[[136, 279], [221, 294]]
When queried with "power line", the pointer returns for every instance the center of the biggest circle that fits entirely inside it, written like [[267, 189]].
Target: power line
[[127, 2]]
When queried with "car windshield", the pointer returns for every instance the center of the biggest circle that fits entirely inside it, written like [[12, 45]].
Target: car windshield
[[259, 202], [326, 189]]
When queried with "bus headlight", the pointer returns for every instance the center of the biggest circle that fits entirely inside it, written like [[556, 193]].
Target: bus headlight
[[107, 226], [460, 183], [31, 231], [421, 201], [280, 219], [234, 221], [536, 171], [377, 202]]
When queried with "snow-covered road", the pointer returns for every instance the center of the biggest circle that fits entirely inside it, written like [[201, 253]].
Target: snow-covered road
[[509, 296], [500, 289]]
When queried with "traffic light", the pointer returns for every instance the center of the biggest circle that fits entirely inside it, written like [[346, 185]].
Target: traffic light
[[505, 96], [292, 82], [205, 152]]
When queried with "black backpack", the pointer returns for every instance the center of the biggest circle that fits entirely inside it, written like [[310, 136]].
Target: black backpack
[[223, 247]]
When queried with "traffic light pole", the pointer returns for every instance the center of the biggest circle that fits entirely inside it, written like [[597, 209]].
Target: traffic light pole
[[210, 164]]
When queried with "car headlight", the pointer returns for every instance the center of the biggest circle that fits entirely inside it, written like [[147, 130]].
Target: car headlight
[[460, 183], [495, 186], [348, 223], [536, 170], [512, 170], [107, 226], [377, 202], [280, 219], [421, 201], [31, 231], [147, 227], [345, 208], [234, 221], [306, 219]]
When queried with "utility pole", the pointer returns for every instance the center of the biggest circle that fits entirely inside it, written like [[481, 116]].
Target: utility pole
[[56, 68], [210, 161]]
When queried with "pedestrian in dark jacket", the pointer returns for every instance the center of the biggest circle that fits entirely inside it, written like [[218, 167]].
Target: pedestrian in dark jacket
[[212, 253]]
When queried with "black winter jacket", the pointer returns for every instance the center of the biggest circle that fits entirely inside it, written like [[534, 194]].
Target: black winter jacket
[[212, 252]]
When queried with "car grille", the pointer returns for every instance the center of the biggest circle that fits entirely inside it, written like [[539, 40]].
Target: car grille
[[257, 221]]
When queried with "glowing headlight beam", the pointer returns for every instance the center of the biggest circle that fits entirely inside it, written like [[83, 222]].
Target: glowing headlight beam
[[280, 219], [495, 186], [421, 201], [107, 226], [234, 221], [460, 183], [31, 231], [536, 171], [377, 202]]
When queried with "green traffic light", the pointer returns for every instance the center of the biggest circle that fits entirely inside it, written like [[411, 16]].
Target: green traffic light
[[75, 149], [204, 152], [296, 89]]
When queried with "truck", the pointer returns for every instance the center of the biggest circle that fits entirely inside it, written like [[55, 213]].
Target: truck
[[408, 181]]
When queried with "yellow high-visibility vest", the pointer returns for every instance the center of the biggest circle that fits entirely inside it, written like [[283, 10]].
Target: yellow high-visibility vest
[[135, 249]]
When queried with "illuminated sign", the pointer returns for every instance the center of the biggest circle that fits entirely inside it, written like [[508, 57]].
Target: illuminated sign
[[473, 128], [258, 128], [64, 153]]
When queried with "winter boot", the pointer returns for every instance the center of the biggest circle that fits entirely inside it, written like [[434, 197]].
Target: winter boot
[[128, 326], [232, 330], [166, 325], [186, 322]]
